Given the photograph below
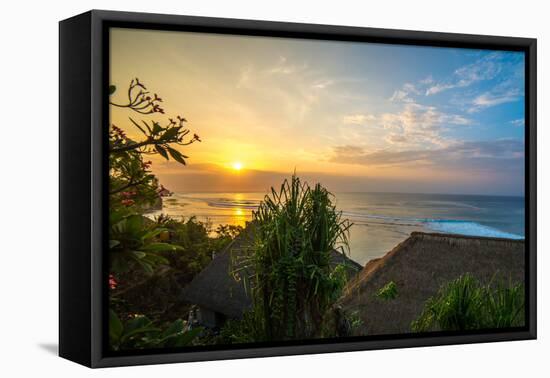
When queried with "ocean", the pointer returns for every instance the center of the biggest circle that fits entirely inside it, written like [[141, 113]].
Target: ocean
[[380, 220]]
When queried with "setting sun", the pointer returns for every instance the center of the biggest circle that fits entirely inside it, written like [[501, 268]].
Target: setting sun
[[237, 166]]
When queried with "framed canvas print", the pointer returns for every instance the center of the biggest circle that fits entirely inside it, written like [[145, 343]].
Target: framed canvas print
[[233, 188]]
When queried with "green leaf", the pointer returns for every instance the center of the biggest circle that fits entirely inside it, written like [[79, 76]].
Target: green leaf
[[138, 322], [151, 234], [187, 337], [171, 133], [137, 326], [176, 155], [159, 247], [112, 89], [138, 126], [134, 224], [148, 128], [115, 327], [154, 260], [173, 329], [148, 268], [156, 128], [161, 151], [139, 254], [116, 216], [113, 243]]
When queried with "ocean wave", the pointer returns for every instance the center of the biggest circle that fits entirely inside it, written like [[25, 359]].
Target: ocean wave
[[356, 215], [225, 203], [451, 226], [468, 228], [231, 204]]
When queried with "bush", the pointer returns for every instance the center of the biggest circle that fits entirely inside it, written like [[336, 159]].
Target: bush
[[465, 304]]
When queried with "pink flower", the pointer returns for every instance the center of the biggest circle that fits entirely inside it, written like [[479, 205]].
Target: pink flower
[[112, 282], [127, 202]]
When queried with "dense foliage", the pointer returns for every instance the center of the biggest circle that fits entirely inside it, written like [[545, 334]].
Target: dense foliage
[[294, 283], [140, 332], [466, 304]]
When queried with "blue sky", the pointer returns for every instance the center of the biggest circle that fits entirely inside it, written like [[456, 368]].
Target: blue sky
[[362, 117]]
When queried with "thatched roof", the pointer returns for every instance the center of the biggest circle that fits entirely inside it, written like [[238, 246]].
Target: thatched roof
[[216, 289], [419, 266]]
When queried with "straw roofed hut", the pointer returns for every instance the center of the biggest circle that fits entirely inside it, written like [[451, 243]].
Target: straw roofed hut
[[419, 266], [220, 296]]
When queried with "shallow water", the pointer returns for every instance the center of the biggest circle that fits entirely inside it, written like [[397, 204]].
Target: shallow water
[[380, 220]]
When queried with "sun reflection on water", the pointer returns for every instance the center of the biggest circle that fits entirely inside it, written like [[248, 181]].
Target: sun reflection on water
[[239, 216]]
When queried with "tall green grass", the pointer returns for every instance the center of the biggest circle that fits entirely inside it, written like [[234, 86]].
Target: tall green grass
[[466, 304], [294, 283]]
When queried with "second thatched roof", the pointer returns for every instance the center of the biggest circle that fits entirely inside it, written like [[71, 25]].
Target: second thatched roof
[[419, 266]]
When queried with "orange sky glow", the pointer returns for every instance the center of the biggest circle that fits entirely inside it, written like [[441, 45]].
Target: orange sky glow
[[265, 108]]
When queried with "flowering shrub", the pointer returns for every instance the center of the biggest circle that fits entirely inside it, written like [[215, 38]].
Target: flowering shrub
[[131, 182]]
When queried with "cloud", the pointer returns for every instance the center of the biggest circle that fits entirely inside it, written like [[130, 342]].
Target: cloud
[[393, 138], [488, 99], [508, 69], [322, 84], [419, 125], [291, 90], [484, 153], [439, 87], [485, 68], [401, 96], [244, 77], [358, 119], [518, 122], [427, 80], [505, 92], [502, 70], [285, 90], [283, 67], [405, 93]]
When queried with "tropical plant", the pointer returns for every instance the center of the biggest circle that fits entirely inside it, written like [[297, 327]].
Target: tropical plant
[[131, 182], [137, 244], [133, 188], [294, 282], [140, 332], [157, 138], [133, 242], [388, 291], [466, 304], [505, 306]]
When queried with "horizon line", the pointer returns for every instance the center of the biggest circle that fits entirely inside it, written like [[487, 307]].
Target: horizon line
[[365, 192]]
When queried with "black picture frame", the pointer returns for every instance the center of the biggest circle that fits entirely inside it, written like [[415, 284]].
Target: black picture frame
[[83, 116]]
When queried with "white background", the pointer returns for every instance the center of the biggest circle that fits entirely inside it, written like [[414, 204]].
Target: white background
[[29, 187]]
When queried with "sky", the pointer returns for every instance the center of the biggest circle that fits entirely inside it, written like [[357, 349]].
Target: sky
[[357, 117]]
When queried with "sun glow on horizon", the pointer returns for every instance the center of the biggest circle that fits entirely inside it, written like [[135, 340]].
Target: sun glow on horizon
[[237, 166]]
